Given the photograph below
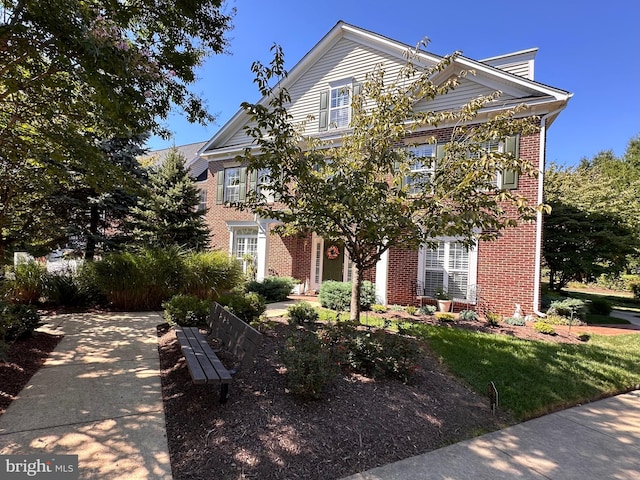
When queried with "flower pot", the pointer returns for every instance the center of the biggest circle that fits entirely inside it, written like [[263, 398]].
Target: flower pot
[[444, 305]]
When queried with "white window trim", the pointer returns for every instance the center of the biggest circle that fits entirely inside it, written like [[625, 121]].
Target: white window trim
[[228, 187], [417, 167], [339, 87], [472, 276]]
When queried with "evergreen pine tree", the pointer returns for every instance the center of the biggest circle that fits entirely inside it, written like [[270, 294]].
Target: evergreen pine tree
[[170, 214]]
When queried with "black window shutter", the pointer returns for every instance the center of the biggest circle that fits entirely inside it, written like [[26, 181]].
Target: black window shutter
[[510, 177], [220, 187], [323, 116]]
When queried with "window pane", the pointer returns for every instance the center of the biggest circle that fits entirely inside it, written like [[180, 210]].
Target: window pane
[[458, 257], [435, 258], [232, 185], [432, 282]]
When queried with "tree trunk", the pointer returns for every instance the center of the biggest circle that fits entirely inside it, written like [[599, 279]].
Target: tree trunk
[[356, 286], [90, 250]]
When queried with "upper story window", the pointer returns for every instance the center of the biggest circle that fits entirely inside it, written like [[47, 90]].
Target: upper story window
[[202, 205], [335, 105], [339, 107], [422, 167], [232, 184]]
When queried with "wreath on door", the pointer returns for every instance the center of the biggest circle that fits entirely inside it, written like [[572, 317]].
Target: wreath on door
[[332, 252]]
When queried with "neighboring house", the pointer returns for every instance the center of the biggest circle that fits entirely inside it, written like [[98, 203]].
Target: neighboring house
[[196, 164], [505, 272]]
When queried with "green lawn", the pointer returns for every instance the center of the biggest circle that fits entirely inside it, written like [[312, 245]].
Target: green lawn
[[534, 377]]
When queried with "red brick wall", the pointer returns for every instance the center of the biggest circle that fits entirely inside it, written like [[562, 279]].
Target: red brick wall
[[506, 267]]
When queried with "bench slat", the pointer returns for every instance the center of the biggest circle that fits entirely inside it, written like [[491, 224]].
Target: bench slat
[[195, 369], [204, 365]]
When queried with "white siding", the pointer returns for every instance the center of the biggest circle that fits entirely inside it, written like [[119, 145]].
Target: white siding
[[521, 69], [345, 60], [456, 98]]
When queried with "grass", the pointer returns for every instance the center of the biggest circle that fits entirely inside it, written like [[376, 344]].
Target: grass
[[532, 377]]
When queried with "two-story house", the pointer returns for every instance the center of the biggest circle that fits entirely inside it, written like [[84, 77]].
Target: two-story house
[[504, 272]]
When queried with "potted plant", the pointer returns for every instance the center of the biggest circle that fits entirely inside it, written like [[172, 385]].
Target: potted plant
[[444, 300]]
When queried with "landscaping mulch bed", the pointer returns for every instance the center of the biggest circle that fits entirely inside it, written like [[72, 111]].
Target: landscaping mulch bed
[[264, 432], [22, 361]]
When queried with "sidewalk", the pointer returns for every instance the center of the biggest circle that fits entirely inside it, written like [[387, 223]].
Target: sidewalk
[[98, 396], [596, 441]]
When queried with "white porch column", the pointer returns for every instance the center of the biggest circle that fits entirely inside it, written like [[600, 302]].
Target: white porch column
[[382, 270], [262, 249]]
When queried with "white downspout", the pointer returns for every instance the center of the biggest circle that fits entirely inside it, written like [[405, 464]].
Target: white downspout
[[541, 167]]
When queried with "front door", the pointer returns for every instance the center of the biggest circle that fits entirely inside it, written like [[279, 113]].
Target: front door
[[333, 264]]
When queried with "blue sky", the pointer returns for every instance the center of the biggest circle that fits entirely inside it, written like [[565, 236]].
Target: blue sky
[[590, 48]]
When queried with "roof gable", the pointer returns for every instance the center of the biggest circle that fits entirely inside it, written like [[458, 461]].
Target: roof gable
[[348, 53]]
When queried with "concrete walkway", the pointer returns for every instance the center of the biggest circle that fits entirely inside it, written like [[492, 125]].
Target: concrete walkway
[[98, 396], [632, 317], [597, 441]]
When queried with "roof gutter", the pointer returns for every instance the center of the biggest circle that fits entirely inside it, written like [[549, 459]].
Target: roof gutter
[[538, 258]]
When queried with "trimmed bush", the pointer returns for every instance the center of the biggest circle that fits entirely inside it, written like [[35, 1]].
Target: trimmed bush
[[600, 306], [543, 327], [468, 315], [515, 321], [565, 307], [273, 289], [302, 313], [310, 367], [428, 309], [246, 306], [445, 317], [337, 295], [377, 308], [17, 321], [186, 310]]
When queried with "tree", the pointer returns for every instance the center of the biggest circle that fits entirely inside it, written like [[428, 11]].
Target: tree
[[593, 227], [362, 190], [73, 73], [94, 219], [169, 215], [581, 245]]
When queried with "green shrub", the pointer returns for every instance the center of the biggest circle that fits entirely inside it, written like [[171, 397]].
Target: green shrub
[[273, 289], [411, 310], [141, 280], [445, 317], [468, 315], [310, 367], [543, 327], [337, 295], [27, 282], [246, 306], [493, 319], [186, 310], [515, 321], [209, 274], [69, 290], [632, 283], [600, 306], [372, 353], [377, 308], [301, 313], [428, 309], [17, 321], [553, 319], [565, 307]]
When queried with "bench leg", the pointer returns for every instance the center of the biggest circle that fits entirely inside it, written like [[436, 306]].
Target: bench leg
[[224, 393]]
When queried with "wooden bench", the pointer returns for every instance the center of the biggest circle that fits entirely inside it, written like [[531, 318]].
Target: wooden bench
[[236, 336]]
